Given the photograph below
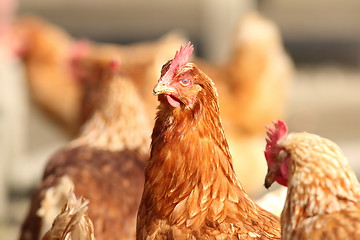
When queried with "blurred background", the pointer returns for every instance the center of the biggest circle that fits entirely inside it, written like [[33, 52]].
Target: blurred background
[[322, 38]]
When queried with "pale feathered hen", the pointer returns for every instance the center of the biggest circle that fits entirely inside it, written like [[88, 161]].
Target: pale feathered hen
[[323, 197]]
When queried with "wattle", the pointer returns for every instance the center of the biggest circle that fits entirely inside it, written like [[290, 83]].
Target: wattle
[[172, 101]]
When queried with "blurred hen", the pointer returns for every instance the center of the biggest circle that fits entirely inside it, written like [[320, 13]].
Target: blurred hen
[[252, 85], [254, 82], [46, 50], [104, 164]]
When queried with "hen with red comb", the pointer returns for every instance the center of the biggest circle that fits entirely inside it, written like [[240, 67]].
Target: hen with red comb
[[323, 195], [191, 190]]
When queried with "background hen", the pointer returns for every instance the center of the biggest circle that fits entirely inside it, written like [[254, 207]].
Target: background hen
[[323, 198], [104, 164], [49, 53], [191, 190], [253, 85], [46, 50], [253, 82]]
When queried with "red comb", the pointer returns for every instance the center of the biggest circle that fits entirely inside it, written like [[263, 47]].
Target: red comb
[[181, 58], [274, 135], [114, 65], [78, 51]]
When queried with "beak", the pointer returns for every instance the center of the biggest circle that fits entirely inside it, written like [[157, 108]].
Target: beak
[[269, 179], [163, 88]]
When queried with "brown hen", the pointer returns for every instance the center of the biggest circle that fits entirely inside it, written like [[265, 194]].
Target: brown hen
[[46, 50], [191, 190], [105, 165], [323, 197]]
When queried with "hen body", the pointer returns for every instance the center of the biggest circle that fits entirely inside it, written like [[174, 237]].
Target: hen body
[[191, 190], [105, 165], [323, 197]]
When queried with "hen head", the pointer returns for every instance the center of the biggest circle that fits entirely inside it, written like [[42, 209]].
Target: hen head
[[276, 157], [179, 82], [79, 51]]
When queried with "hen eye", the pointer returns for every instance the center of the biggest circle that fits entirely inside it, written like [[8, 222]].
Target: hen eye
[[185, 81]]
